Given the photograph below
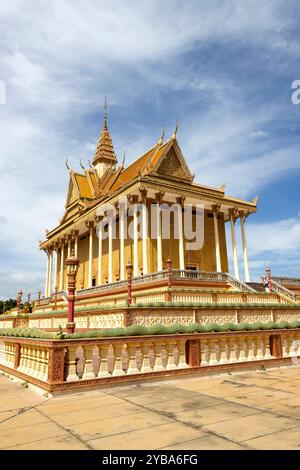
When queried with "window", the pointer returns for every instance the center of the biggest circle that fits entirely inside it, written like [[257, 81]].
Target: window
[[93, 282]]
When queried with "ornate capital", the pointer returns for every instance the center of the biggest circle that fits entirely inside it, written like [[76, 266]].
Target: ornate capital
[[89, 224], [159, 196], [133, 198], [216, 208], [243, 215], [233, 213], [180, 200], [143, 192]]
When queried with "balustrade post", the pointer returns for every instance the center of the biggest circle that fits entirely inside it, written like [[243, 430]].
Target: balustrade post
[[132, 365], [118, 363], [103, 364], [71, 361], [193, 352], [88, 371], [17, 355], [275, 346], [170, 346], [146, 367]]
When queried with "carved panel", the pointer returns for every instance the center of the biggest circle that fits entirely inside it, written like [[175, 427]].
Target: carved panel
[[56, 364], [218, 316], [150, 317], [111, 320]]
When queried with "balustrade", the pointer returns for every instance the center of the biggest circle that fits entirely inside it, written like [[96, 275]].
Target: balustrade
[[102, 358]]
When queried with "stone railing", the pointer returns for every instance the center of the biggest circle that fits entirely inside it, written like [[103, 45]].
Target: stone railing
[[58, 365], [287, 281], [283, 291]]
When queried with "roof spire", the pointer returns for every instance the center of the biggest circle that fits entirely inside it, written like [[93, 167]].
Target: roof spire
[[161, 137], [175, 131], [105, 151], [105, 114]]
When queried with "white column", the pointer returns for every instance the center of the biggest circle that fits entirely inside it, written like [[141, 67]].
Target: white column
[[135, 242], [62, 260], [122, 244], [76, 246], [69, 249], [234, 247], [90, 266], [159, 242], [56, 269], [217, 241], [110, 246], [145, 237], [47, 274], [180, 234], [50, 273], [99, 233], [245, 255]]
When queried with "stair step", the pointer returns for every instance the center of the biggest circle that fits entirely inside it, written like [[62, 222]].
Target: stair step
[[257, 286]]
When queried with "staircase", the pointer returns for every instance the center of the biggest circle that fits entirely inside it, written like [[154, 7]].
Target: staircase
[[257, 286]]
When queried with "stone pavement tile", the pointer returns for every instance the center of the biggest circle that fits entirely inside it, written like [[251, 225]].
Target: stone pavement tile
[[184, 403], [25, 434], [247, 427], [152, 438], [69, 403], [258, 396], [26, 418], [220, 388], [209, 442], [20, 399], [7, 414], [117, 425], [62, 442], [215, 414], [176, 407], [94, 413], [290, 407], [284, 440]]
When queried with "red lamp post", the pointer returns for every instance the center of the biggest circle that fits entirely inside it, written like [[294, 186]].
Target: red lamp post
[[19, 299], [72, 264], [129, 269]]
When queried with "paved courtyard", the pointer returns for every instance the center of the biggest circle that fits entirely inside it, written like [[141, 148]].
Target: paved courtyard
[[249, 410]]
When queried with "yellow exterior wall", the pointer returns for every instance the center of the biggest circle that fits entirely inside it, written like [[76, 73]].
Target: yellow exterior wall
[[203, 259]]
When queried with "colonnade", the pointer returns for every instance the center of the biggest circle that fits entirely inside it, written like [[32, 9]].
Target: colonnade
[[57, 251]]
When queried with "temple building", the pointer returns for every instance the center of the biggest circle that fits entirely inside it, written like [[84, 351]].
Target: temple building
[[159, 177], [132, 271]]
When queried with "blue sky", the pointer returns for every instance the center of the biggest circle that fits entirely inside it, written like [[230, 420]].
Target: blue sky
[[224, 68]]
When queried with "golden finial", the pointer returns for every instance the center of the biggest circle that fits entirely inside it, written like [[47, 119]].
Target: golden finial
[[67, 164], [175, 132], [255, 200], [123, 162], [161, 137], [105, 113]]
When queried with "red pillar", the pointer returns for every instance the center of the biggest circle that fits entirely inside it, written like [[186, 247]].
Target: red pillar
[[129, 270], [72, 264]]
